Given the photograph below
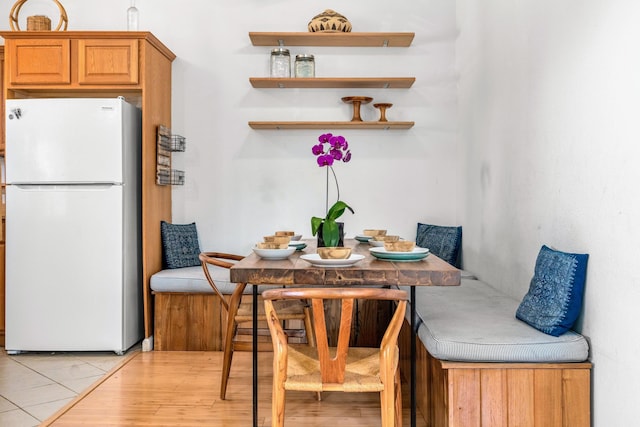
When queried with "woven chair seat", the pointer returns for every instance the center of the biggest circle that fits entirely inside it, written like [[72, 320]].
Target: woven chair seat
[[362, 373]]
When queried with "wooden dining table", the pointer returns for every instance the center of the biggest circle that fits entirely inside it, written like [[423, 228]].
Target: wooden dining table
[[370, 271]]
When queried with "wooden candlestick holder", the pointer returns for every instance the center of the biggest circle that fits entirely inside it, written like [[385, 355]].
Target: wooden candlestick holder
[[356, 101], [383, 110]]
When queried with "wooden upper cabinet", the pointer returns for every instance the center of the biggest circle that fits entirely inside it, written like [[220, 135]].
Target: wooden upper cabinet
[[41, 61], [108, 62], [73, 60]]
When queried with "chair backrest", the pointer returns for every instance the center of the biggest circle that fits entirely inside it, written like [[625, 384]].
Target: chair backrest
[[442, 241], [333, 366], [217, 258]]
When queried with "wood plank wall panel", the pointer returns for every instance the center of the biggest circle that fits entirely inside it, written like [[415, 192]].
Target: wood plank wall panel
[[155, 73]]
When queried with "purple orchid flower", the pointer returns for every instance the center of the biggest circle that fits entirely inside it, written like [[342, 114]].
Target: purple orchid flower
[[337, 149]]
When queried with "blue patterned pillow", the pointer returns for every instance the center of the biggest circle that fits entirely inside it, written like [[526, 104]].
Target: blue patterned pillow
[[554, 300], [443, 242], [180, 246]]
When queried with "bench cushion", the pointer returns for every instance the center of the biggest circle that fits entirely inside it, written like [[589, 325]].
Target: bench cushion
[[192, 280], [476, 322]]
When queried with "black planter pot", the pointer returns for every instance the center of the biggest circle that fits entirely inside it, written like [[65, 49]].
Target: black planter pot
[[321, 240]]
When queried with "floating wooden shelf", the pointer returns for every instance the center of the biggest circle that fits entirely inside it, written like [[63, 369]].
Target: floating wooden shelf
[[332, 39], [331, 125], [333, 82], [378, 39]]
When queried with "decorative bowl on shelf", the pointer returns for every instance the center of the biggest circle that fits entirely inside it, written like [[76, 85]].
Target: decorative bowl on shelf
[[336, 252], [329, 21]]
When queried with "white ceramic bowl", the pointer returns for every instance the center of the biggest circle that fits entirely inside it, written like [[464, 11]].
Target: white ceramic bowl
[[296, 237], [274, 253]]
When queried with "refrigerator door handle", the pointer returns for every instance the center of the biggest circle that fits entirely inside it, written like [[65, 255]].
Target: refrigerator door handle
[[65, 187]]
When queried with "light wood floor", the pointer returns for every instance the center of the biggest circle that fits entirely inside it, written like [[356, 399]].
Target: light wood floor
[[181, 388]]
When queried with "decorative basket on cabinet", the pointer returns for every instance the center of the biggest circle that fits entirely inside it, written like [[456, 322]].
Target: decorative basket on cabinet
[[37, 22]]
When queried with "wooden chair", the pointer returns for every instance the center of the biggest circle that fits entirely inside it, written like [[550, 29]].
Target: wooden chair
[[239, 312], [341, 368]]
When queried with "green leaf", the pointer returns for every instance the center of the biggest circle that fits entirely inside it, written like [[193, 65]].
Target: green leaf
[[337, 210], [330, 233], [330, 229], [315, 224]]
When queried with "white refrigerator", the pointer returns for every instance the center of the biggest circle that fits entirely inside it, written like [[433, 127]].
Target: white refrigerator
[[73, 214]]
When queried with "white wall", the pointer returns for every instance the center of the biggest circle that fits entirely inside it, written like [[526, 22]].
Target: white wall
[[541, 150], [549, 98], [241, 183]]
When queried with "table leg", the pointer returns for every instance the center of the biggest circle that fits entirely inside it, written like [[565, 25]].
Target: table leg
[[414, 331], [254, 350]]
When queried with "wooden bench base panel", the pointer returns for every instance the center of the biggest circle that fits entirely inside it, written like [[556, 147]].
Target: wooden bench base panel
[[197, 322], [185, 321], [463, 394]]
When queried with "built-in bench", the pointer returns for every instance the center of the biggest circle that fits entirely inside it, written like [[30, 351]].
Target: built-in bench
[[188, 316], [187, 313], [477, 365]]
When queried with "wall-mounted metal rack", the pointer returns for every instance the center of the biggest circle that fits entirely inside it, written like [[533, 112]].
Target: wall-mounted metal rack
[[168, 143]]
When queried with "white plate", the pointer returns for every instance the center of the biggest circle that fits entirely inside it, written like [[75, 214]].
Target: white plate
[[315, 259], [296, 237], [415, 255], [274, 253]]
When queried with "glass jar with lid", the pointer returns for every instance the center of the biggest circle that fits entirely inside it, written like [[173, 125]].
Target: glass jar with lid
[[305, 66], [280, 62]]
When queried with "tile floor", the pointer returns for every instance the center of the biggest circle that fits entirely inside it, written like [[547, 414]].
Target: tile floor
[[33, 386]]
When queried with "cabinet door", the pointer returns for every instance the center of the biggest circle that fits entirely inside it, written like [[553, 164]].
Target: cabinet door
[[41, 61], [107, 62]]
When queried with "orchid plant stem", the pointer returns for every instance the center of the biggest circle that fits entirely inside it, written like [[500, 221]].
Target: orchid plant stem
[[335, 178], [326, 195]]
